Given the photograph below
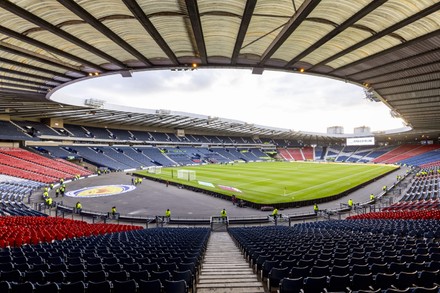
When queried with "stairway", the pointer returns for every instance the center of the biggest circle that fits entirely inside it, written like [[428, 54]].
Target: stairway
[[224, 269]]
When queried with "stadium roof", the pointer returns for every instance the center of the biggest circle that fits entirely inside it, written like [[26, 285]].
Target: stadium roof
[[392, 48]]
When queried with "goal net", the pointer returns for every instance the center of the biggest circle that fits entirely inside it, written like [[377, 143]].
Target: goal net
[[155, 170], [186, 175]]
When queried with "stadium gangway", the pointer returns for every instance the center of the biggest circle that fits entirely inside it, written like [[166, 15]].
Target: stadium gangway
[[219, 223], [162, 221], [61, 210], [249, 220], [189, 222], [303, 217]]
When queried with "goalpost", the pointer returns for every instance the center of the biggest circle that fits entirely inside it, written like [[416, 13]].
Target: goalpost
[[155, 170], [186, 175]]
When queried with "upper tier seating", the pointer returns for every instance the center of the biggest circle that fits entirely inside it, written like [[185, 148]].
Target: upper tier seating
[[54, 151], [390, 156], [120, 134], [226, 139], [191, 138], [281, 142], [141, 136], [256, 140], [37, 128], [159, 136], [240, 140], [215, 139], [201, 138], [174, 138], [12, 132], [97, 157], [77, 131], [97, 132]]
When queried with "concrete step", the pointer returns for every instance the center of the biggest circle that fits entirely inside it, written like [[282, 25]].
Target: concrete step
[[227, 280], [228, 270], [231, 284], [222, 266], [225, 270], [225, 276], [231, 290]]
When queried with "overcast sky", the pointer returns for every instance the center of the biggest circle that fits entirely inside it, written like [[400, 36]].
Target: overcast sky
[[277, 99]]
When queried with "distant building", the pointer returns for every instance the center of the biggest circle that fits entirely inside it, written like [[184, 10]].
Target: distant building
[[335, 130], [362, 130]]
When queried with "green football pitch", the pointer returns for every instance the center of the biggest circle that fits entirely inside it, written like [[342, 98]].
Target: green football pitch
[[276, 182]]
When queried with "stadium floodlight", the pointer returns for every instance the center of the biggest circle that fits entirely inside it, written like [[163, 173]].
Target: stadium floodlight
[[163, 111], [94, 103]]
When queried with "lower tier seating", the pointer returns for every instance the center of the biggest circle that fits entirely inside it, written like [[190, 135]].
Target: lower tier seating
[[16, 231], [407, 215], [345, 255], [146, 260]]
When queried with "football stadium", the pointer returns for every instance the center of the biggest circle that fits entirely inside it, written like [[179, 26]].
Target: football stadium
[[104, 197]]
